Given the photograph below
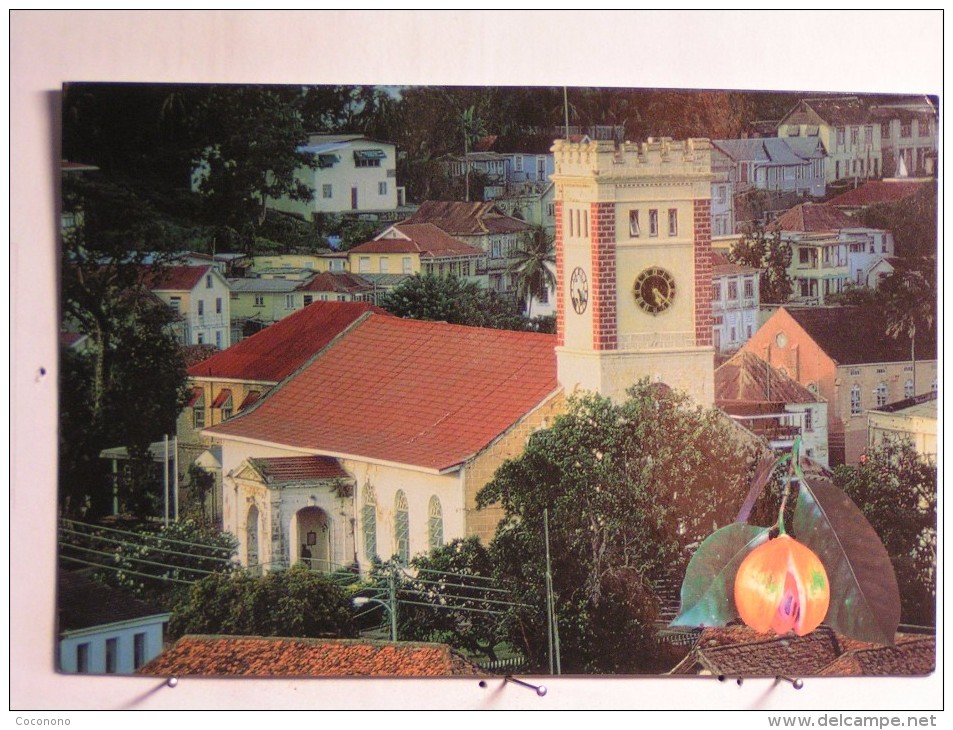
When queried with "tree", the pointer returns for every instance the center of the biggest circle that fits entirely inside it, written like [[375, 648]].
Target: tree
[[629, 488], [913, 221], [534, 263], [296, 602], [911, 303], [453, 300], [896, 489], [769, 254], [250, 151], [154, 563], [455, 581], [128, 385]]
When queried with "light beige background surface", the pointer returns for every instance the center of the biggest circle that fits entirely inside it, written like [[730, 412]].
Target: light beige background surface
[[849, 51]]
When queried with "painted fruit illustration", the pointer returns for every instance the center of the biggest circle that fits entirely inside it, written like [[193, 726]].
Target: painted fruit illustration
[[782, 586]]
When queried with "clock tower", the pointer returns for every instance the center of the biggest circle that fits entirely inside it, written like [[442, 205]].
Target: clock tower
[[633, 265]]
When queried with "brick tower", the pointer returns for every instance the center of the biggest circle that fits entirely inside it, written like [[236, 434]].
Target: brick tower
[[633, 265]]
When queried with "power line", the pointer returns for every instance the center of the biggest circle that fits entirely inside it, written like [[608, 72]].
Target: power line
[[149, 535], [125, 570], [135, 560], [124, 543]]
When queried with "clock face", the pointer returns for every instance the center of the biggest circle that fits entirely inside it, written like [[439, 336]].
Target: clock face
[[654, 290], [579, 290]]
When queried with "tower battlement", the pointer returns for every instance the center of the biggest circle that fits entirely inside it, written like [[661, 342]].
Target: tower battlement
[[659, 156]]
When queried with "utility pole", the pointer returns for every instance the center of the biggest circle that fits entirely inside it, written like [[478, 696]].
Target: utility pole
[[553, 625], [392, 605]]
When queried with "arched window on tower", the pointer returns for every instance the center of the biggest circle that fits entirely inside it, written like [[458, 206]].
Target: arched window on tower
[[434, 523], [402, 527]]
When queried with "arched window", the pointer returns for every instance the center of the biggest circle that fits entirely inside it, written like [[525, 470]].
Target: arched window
[[402, 527], [435, 523], [369, 522], [855, 408], [908, 389], [881, 394]]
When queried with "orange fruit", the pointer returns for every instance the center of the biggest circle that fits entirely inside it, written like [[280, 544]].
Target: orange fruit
[[782, 586]]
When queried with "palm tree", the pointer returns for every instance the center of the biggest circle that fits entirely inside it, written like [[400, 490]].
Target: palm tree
[[533, 263], [911, 305]]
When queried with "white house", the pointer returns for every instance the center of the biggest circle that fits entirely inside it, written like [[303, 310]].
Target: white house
[[201, 296], [353, 174], [103, 630], [735, 301]]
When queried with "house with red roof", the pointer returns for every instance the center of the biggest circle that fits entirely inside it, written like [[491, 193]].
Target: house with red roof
[[845, 357], [419, 248], [482, 225], [878, 192], [378, 444], [202, 298], [830, 251]]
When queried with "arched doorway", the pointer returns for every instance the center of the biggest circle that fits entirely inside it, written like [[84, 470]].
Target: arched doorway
[[313, 539], [251, 538]]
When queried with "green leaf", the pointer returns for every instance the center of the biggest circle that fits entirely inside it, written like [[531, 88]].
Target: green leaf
[[865, 599], [708, 591], [762, 475]]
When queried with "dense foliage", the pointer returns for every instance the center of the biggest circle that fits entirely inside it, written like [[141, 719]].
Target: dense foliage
[[449, 596], [896, 489], [629, 489], [294, 602], [126, 384], [453, 300], [767, 252], [158, 563]]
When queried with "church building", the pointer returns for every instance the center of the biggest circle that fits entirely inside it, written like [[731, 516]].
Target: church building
[[378, 445]]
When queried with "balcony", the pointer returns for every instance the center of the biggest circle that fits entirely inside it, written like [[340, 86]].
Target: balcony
[[778, 429]]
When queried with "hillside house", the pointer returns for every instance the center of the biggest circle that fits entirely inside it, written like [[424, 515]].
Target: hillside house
[[844, 355], [202, 298], [830, 251], [483, 226], [849, 132], [419, 248], [354, 174], [735, 303]]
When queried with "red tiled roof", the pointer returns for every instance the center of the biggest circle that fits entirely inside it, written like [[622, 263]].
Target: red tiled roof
[[336, 281], [427, 394], [252, 656], [299, 468], [425, 239], [277, 351], [813, 218], [466, 219], [721, 266], [878, 191], [175, 278], [222, 398]]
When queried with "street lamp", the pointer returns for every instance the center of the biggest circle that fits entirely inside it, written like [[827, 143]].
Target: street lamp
[[390, 604]]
